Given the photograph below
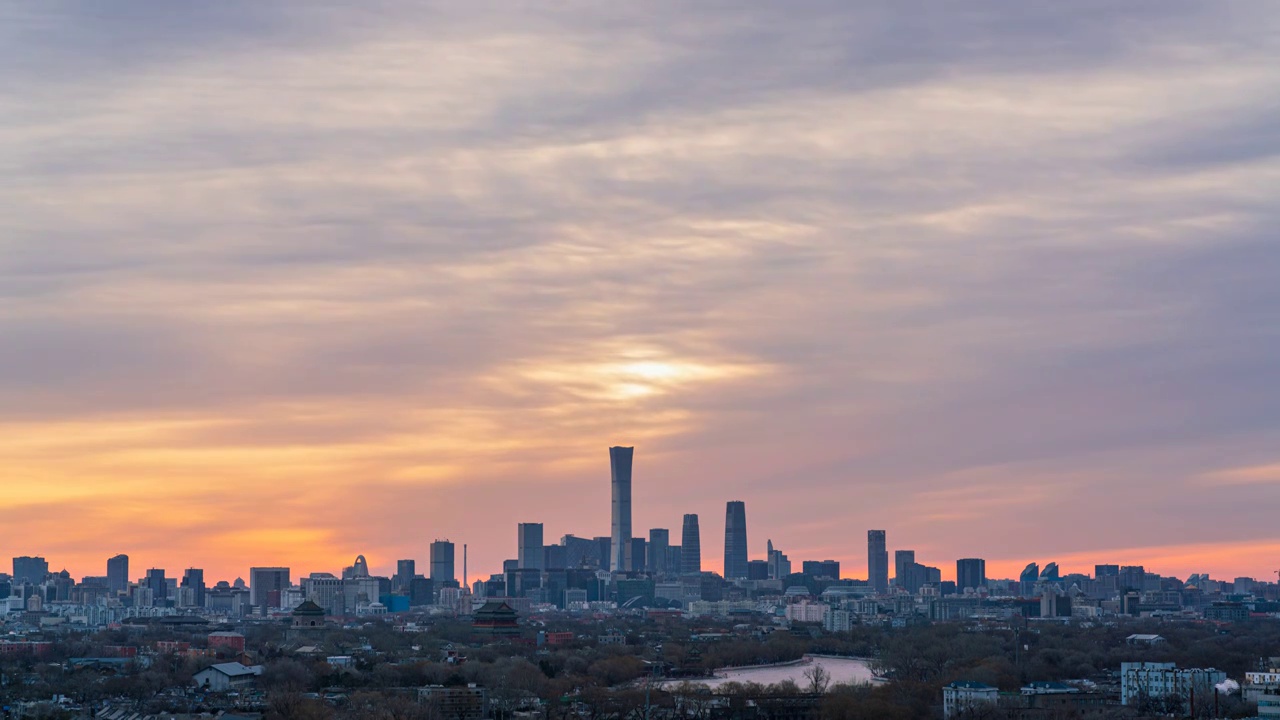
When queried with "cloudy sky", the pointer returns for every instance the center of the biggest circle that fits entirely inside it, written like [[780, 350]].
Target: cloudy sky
[[285, 282]]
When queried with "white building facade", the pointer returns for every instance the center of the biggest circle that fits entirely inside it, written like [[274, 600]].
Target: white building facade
[[1139, 680], [959, 697]]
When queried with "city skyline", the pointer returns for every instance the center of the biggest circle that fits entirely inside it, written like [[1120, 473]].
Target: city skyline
[[388, 568], [998, 279], [527, 553]]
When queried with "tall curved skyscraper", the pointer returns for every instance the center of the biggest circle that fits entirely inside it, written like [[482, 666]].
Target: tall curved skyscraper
[[690, 547], [620, 479], [1027, 580], [735, 540]]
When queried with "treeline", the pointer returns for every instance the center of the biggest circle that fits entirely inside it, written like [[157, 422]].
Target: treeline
[[599, 682]]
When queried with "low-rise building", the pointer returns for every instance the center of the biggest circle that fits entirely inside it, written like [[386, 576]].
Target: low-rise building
[[1047, 700], [721, 608], [1049, 688], [1227, 612], [1144, 639], [838, 620], [1263, 688], [805, 611], [1141, 681], [228, 642], [558, 638], [962, 696], [227, 676], [613, 637], [456, 703]]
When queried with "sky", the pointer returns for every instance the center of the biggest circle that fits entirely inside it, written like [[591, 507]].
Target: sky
[[282, 283]]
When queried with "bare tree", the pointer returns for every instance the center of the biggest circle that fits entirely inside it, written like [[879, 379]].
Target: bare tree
[[819, 679]]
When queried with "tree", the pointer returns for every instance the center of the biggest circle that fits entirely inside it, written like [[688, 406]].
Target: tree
[[292, 706], [287, 676], [818, 678]]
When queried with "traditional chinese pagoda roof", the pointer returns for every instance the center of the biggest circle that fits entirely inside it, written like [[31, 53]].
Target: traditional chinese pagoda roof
[[495, 608], [307, 609]]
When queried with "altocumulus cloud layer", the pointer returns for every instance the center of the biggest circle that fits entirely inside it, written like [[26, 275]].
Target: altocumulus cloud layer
[[284, 282]]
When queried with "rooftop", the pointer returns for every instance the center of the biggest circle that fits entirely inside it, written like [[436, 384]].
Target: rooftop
[[235, 669], [970, 685], [308, 608]]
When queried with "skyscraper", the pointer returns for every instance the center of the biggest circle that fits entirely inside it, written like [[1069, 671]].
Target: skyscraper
[[821, 568], [442, 569], [1101, 571], [405, 572], [266, 584], [357, 569], [877, 561], [659, 542], [118, 573], [778, 563], [1132, 577], [580, 552], [971, 573], [529, 552], [158, 585], [902, 562], [1027, 579], [620, 459], [194, 578], [690, 546], [674, 559], [604, 545], [639, 551], [735, 540], [30, 569]]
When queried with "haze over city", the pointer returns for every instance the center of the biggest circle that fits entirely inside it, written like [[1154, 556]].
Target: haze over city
[[284, 288]]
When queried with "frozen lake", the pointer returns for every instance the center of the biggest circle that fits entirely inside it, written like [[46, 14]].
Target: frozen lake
[[842, 670]]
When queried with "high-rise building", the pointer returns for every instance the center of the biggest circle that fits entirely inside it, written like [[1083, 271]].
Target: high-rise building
[[405, 572], [659, 543], [1027, 580], [357, 569], [194, 578], [877, 561], [971, 573], [530, 555], [442, 569], [914, 576], [32, 570], [421, 591], [690, 547], [159, 587], [266, 585], [757, 569], [675, 559], [821, 568], [620, 459], [1132, 577], [779, 564], [735, 540], [580, 552], [1101, 571], [639, 554], [604, 545], [902, 561], [554, 557], [118, 574]]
